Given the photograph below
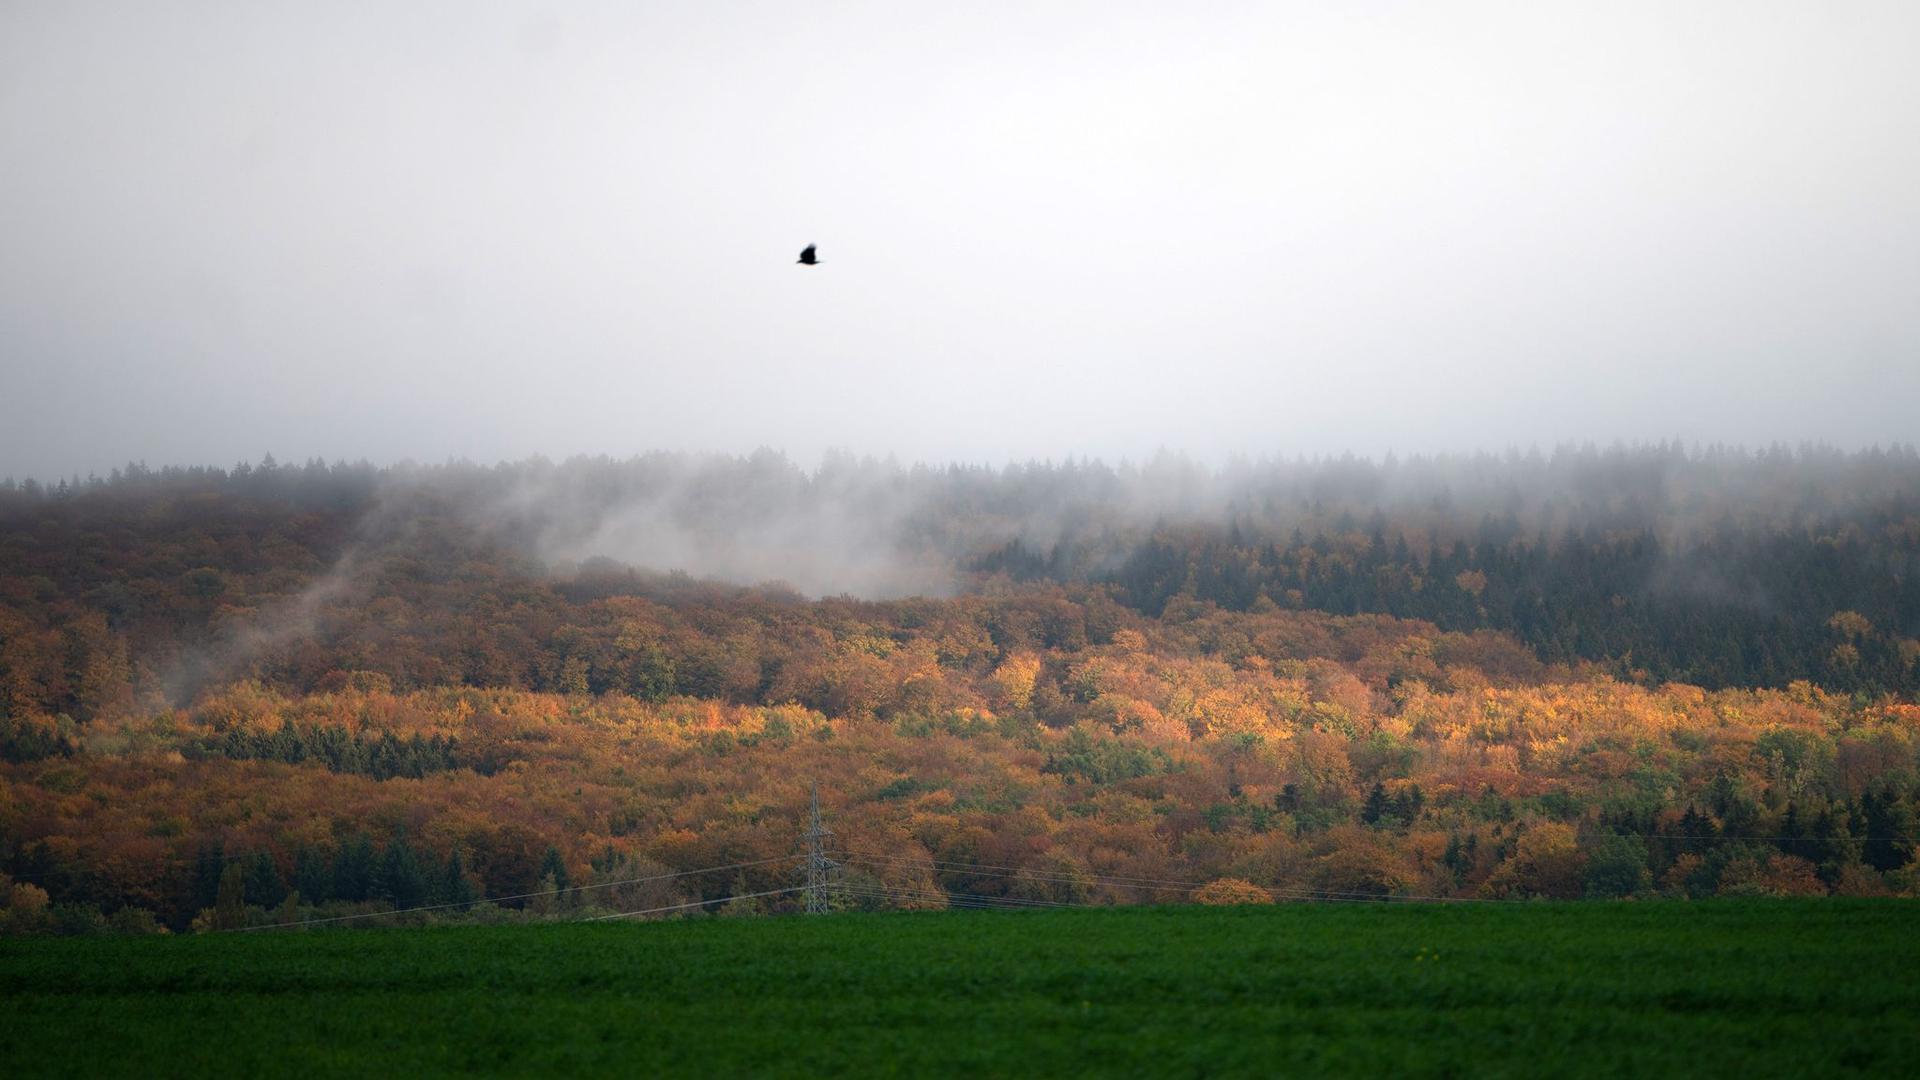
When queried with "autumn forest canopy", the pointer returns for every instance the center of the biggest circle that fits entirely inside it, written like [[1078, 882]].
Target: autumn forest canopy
[[271, 691]]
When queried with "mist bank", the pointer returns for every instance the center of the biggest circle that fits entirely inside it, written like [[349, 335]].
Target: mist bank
[[875, 528], [1716, 566]]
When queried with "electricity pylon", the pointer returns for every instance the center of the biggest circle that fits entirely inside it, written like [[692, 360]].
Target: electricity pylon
[[820, 869]]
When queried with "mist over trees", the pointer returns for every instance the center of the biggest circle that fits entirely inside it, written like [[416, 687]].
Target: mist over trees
[[1719, 567]]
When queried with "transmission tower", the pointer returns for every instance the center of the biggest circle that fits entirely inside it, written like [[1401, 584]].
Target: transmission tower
[[820, 869]]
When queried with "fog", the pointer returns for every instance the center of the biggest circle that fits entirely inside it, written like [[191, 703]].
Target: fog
[[878, 530], [432, 231], [1756, 557]]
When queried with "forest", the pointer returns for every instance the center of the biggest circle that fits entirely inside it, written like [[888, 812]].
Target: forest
[[273, 692]]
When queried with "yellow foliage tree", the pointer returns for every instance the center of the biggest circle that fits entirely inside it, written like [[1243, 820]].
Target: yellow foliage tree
[[1014, 679], [1547, 861], [1226, 891]]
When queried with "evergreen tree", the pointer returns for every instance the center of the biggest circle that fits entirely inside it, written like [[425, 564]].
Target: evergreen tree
[[1889, 827], [353, 868], [1408, 804], [1455, 859], [208, 866], [312, 877], [399, 879], [454, 887], [230, 898], [1376, 805], [1696, 829], [264, 884], [552, 866]]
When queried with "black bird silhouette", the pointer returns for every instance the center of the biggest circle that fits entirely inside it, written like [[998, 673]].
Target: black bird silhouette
[[806, 256]]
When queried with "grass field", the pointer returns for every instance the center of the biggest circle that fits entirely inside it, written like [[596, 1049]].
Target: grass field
[[1748, 987]]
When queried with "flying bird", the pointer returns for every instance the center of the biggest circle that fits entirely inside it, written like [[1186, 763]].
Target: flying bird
[[806, 257]]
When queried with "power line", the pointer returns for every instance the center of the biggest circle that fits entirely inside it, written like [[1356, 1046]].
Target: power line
[[1153, 884], [979, 901], [182, 859], [996, 870], [521, 896], [696, 903], [955, 899], [961, 899]]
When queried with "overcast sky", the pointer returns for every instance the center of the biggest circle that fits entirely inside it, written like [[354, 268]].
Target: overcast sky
[[392, 230]]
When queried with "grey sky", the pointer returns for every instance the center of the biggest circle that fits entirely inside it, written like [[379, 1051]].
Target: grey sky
[[424, 230]]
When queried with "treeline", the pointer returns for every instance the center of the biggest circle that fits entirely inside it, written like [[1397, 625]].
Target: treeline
[[1311, 780], [394, 874], [1716, 567], [1721, 610], [381, 757], [230, 892]]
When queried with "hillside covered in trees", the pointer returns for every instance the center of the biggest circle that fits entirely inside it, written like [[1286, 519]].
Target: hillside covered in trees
[[1605, 673]]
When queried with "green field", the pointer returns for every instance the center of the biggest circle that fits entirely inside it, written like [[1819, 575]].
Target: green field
[[1731, 987]]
